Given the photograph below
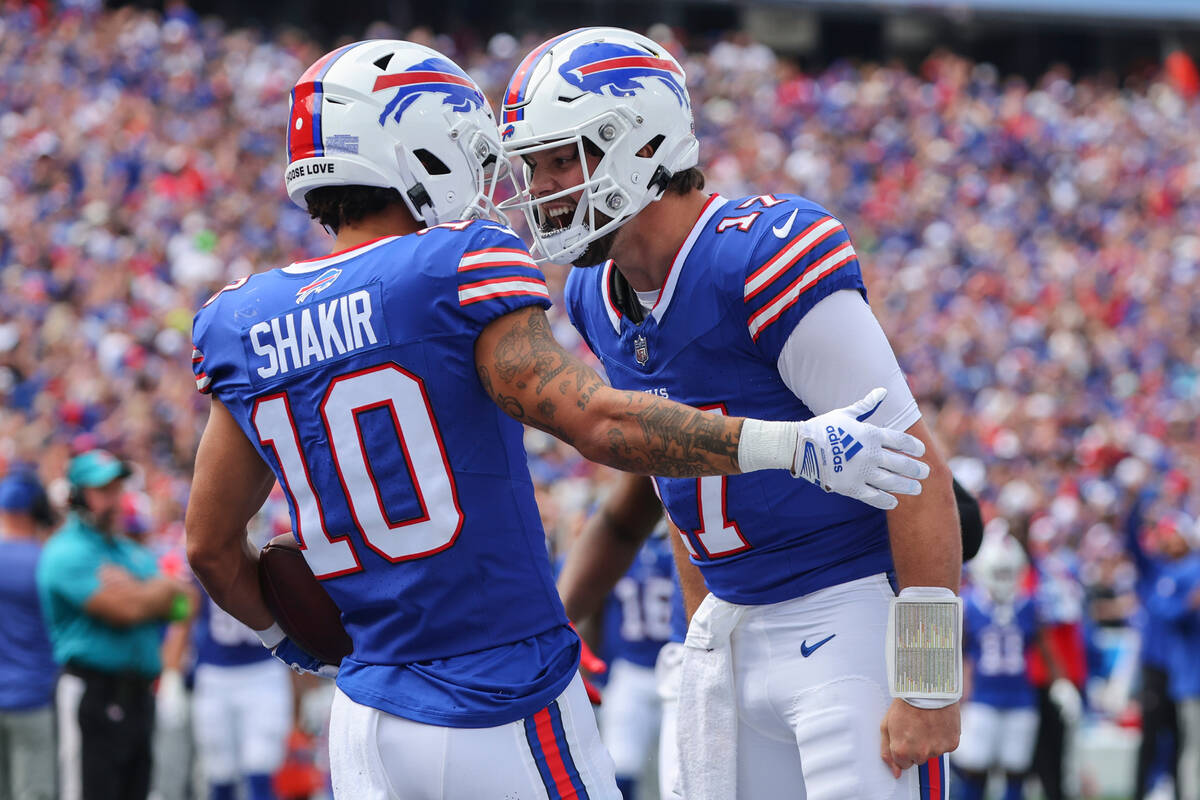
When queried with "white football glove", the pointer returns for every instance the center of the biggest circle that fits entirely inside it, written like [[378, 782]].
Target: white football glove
[[1067, 699], [842, 453], [300, 660]]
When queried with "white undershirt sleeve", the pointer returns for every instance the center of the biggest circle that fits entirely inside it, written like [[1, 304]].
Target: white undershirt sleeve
[[837, 353]]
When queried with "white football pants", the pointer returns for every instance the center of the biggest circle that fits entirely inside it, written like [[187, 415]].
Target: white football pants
[[556, 754], [666, 674], [810, 683], [629, 716], [996, 737], [241, 717]]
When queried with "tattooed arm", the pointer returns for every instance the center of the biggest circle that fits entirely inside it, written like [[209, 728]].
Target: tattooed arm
[[536, 382]]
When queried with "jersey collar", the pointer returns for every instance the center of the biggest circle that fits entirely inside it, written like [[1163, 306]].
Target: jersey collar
[[668, 289], [314, 264]]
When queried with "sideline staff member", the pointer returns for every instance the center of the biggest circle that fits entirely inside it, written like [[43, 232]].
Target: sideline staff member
[[105, 605]]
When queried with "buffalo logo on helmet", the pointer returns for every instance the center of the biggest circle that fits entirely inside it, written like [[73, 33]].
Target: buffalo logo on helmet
[[619, 70], [507, 133], [323, 282], [433, 75]]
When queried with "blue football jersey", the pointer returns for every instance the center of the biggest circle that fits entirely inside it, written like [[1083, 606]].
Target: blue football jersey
[[747, 273], [221, 640], [354, 377], [638, 612], [996, 641]]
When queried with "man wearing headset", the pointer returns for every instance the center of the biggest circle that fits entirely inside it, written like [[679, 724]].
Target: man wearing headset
[[105, 604]]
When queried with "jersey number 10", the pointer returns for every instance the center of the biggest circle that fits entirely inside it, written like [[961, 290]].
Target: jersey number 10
[[390, 387]]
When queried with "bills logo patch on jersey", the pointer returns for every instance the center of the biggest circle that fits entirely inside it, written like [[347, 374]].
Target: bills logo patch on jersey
[[323, 282], [641, 350], [433, 75], [619, 70]]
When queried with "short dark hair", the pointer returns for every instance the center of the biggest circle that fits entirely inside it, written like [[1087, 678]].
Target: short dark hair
[[685, 181], [334, 206]]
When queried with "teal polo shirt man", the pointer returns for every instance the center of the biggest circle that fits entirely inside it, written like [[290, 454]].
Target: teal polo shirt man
[[105, 605]]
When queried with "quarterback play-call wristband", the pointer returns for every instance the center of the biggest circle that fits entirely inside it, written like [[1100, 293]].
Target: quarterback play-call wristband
[[924, 646]]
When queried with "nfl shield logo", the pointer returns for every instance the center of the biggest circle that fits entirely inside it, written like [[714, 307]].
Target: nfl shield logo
[[641, 350]]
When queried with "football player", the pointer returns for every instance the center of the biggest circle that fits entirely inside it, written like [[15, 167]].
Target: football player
[[748, 306], [1000, 718], [636, 625], [383, 386], [241, 706]]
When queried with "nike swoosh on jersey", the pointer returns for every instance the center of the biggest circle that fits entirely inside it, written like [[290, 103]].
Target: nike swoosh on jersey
[[781, 231], [807, 651]]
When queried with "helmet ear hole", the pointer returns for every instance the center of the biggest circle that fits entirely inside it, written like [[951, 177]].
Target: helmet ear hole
[[432, 164], [651, 147]]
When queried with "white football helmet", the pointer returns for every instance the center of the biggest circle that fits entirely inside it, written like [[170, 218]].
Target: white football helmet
[[997, 567], [395, 114], [621, 92]]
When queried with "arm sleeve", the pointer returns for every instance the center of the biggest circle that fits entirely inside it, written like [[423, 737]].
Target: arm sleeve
[[970, 520], [839, 330]]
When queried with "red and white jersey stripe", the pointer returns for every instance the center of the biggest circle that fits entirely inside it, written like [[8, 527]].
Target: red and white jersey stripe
[[496, 257], [501, 287], [817, 251], [494, 272]]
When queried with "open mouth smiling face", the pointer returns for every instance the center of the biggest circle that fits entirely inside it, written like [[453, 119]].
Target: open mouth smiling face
[[556, 215]]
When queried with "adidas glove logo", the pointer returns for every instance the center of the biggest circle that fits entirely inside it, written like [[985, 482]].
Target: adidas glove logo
[[842, 446]]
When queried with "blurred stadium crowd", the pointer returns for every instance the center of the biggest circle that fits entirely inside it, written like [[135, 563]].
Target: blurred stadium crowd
[[1032, 251]]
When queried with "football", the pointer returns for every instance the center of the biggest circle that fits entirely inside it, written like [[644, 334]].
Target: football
[[302, 607]]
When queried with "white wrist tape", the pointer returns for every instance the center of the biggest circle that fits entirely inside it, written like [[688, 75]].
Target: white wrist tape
[[924, 646], [272, 636], [767, 445]]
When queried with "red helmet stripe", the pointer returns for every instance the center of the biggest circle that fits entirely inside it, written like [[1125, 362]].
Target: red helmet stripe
[[409, 78], [520, 78], [630, 61], [304, 138]]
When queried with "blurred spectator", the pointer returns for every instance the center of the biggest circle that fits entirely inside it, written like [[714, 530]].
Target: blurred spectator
[[27, 668], [1177, 600], [105, 605]]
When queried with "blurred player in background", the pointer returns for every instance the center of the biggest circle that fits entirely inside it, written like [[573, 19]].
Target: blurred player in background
[[636, 626], [1154, 542], [999, 718], [1058, 668], [1177, 601], [754, 306], [383, 386], [241, 706], [27, 669]]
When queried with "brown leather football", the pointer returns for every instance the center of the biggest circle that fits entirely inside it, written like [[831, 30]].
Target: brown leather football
[[299, 602]]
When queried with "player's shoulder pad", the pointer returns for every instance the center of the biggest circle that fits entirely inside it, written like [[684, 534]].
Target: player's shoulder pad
[[212, 326], [493, 269], [212, 311], [797, 245], [474, 234]]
